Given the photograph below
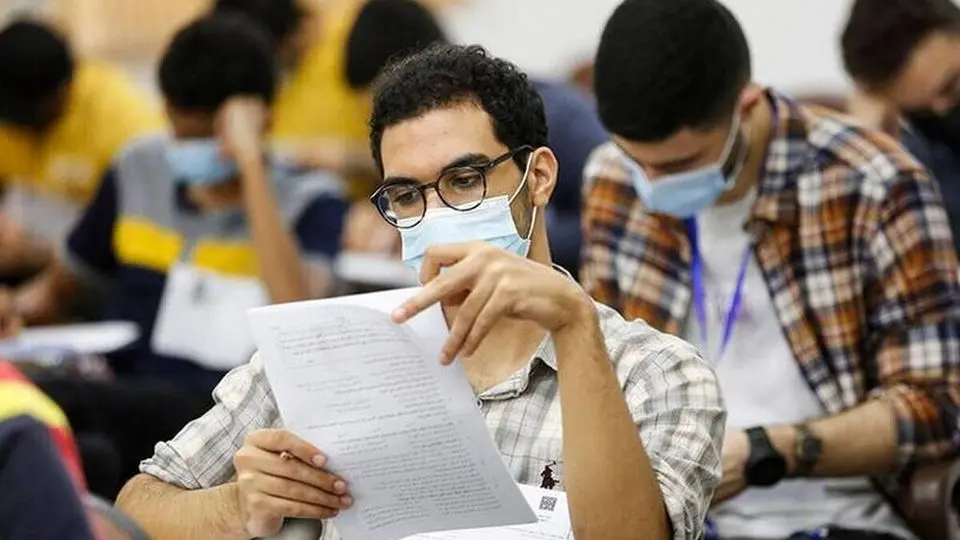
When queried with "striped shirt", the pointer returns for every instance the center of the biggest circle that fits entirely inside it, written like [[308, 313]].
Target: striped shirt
[[856, 251], [18, 396], [140, 224], [670, 391]]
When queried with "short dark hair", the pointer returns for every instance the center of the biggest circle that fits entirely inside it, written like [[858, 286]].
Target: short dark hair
[[383, 31], [280, 18], [35, 63], [880, 35], [667, 65], [445, 75], [215, 58]]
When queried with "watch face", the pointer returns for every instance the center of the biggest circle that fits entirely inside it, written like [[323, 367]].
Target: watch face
[[766, 471]]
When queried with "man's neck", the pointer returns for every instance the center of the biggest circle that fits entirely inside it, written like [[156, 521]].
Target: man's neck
[[507, 348], [761, 131]]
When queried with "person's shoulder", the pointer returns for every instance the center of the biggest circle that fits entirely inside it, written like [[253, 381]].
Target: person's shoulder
[[635, 346], [857, 158], [298, 191], [607, 163]]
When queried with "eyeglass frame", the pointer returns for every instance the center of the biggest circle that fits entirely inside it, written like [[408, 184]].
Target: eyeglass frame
[[482, 169]]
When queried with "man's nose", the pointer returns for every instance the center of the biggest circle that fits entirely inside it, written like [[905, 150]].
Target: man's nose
[[433, 199]]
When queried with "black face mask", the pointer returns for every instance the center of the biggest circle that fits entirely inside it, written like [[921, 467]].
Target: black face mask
[[944, 129]]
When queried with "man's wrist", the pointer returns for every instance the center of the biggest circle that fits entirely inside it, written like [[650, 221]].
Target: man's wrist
[[784, 440]]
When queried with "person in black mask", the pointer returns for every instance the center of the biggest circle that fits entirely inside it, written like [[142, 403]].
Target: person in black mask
[[904, 57]]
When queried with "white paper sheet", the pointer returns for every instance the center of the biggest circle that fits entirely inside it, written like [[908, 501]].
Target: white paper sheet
[[374, 269], [93, 338], [404, 431], [552, 513]]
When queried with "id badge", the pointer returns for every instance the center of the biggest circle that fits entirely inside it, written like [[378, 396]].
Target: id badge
[[203, 317]]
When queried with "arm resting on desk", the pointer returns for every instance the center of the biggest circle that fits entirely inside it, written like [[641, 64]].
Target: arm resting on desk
[[167, 511]]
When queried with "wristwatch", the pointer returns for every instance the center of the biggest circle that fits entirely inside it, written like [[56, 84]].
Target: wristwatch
[[765, 466], [808, 450]]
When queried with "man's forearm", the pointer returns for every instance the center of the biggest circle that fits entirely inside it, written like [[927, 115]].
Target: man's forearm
[[611, 488], [278, 256], [42, 300], [858, 442], [166, 511]]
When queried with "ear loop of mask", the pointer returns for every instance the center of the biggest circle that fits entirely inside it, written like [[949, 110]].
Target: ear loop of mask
[[523, 182]]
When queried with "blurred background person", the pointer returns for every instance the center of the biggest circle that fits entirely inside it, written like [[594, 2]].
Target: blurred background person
[[186, 232], [904, 56], [383, 29], [62, 122]]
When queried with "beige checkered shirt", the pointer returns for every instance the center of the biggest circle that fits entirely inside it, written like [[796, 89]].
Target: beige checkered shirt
[[671, 392]]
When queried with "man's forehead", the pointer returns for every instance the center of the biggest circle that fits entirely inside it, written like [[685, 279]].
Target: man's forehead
[[421, 147]]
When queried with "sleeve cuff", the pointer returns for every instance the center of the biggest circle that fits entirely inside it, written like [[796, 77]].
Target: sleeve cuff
[[166, 466]]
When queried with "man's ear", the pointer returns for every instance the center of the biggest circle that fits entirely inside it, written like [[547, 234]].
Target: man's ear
[[542, 178], [749, 97]]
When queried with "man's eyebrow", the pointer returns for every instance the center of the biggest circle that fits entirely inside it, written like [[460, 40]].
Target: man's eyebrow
[[462, 161]]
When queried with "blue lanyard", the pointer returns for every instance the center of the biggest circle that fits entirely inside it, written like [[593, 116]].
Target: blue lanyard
[[699, 295]]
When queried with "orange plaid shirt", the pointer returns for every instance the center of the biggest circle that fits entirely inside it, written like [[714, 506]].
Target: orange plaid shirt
[[855, 248]]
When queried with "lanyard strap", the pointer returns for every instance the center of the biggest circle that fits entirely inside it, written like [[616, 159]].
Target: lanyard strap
[[699, 294]]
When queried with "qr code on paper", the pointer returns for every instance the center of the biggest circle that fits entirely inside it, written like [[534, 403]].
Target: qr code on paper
[[548, 503]]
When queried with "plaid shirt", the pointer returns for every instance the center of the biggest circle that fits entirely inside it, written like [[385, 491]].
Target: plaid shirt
[[671, 392], [854, 245]]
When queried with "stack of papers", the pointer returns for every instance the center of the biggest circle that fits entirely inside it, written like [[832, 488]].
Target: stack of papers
[[404, 431]]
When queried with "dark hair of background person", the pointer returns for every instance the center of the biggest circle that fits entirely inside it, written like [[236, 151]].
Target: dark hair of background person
[[36, 66], [446, 75], [880, 35], [663, 66], [385, 30], [215, 58], [280, 18]]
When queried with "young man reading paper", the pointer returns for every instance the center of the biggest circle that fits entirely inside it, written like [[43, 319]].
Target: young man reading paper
[[460, 139]]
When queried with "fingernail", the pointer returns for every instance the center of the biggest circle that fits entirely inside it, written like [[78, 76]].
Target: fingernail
[[319, 460], [336, 513], [399, 314], [340, 486], [346, 501]]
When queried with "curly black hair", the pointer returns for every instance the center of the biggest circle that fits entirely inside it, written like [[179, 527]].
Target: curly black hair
[[215, 58], [383, 31], [35, 63], [667, 65], [880, 35], [280, 18], [445, 75]]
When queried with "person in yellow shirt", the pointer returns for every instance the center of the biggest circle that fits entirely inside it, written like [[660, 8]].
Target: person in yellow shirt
[[320, 116], [62, 121]]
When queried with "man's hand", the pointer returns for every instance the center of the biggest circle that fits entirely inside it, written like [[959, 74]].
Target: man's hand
[[736, 452], [488, 284], [10, 321], [241, 123], [365, 231], [280, 475]]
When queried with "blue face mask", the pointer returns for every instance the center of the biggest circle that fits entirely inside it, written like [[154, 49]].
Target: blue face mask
[[199, 162], [686, 194], [490, 222]]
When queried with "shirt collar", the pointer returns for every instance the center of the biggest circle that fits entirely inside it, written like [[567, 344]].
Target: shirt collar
[[546, 354], [788, 152]]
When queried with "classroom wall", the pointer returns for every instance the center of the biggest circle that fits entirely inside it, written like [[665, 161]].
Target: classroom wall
[[794, 42]]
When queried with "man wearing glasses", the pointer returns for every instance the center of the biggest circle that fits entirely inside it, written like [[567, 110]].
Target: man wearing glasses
[[460, 139]]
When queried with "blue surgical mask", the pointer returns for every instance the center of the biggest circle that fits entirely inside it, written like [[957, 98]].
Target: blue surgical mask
[[199, 162], [688, 193], [490, 222]]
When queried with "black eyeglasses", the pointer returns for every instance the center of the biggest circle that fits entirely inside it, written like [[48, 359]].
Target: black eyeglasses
[[404, 204]]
